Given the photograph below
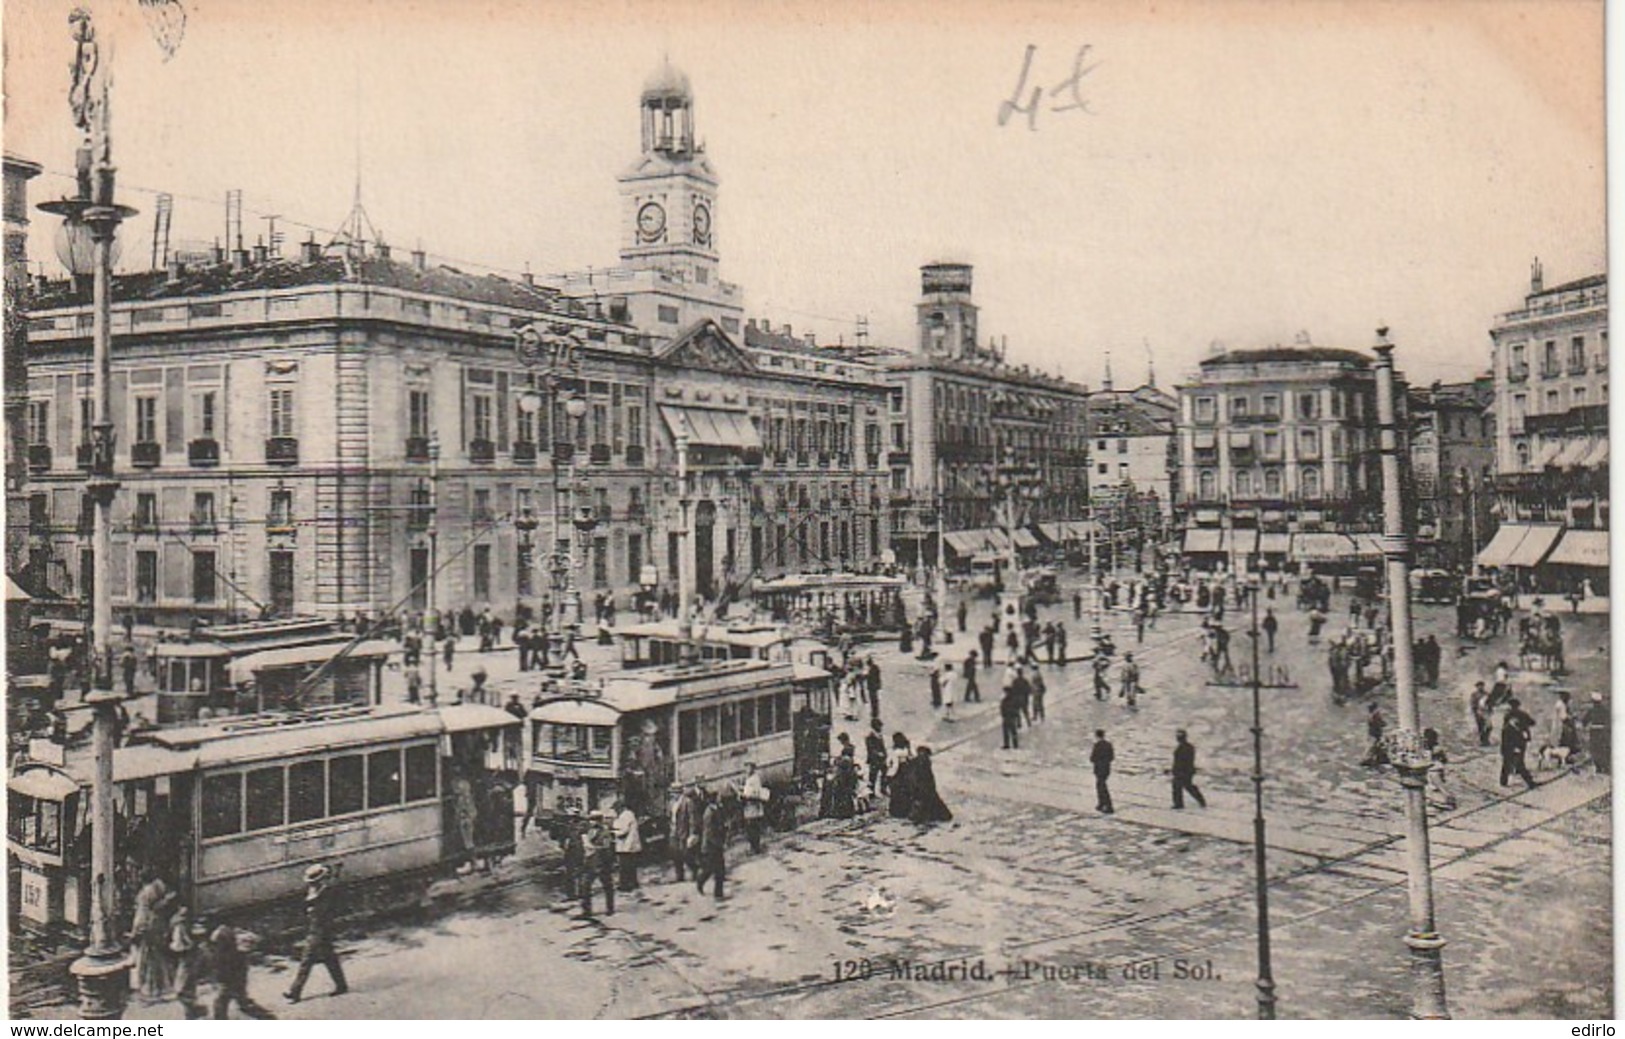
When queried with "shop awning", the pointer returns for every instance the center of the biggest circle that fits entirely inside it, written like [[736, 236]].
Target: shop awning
[[1242, 542], [1581, 548], [1024, 538], [1056, 532], [1202, 539], [1597, 457], [14, 592], [711, 427], [1365, 546], [243, 668], [1549, 450], [1083, 530], [1501, 546], [1572, 454], [962, 542], [1321, 547], [1275, 544], [1207, 515], [1532, 550]]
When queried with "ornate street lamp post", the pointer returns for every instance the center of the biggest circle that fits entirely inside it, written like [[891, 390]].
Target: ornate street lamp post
[[1266, 976], [103, 971], [1405, 749]]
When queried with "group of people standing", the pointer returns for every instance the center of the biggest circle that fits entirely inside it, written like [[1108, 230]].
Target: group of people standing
[[902, 774]]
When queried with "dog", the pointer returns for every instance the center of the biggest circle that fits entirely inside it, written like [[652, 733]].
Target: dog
[[1554, 757]]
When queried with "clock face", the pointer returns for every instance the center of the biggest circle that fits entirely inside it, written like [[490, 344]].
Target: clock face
[[651, 221], [702, 224]]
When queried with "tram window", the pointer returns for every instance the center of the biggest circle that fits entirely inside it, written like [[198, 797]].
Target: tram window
[[747, 720], [603, 743], [307, 791], [35, 823], [420, 772], [688, 732], [265, 798], [383, 778], [781, 711], [346, 791], [708, 728], [764, 716], [730, 723], [222, 804]]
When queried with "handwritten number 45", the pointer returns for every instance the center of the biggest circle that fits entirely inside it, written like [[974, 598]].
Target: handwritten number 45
[[1023, 102]]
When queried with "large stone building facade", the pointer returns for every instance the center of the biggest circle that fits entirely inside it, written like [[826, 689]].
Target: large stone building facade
[[967, 429], [18, 172], [1550, 360], [1278, 458], [317, 434], [1452, 435]]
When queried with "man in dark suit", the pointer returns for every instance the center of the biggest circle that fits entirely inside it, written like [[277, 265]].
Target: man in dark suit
[[1102, 757], [1185, 771], [1515, 729], [319, 913]]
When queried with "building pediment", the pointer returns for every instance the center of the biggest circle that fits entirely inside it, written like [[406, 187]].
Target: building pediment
[[705, 346]]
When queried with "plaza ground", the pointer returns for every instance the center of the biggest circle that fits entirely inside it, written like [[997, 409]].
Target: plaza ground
[[1147, 913]]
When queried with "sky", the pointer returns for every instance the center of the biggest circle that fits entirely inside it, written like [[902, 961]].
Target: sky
[[1236, 173]]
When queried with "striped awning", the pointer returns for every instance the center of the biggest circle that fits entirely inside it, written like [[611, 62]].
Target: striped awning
[[1597, 457], [1535, 546], [1499, 550], [1024, 538], [1573, 454], [1322, 547], [1581, 548], [1274, 544], [711, 427]]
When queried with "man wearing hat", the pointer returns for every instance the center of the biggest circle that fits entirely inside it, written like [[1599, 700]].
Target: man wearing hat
[[319, 913], [684, 829], [1597, 734], [1185, 771]]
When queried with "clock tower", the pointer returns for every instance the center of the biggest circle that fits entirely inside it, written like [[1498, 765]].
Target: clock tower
[[669, 197], [945, 313]]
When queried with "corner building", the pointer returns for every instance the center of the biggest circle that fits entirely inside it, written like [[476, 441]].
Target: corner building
[[275, 415]]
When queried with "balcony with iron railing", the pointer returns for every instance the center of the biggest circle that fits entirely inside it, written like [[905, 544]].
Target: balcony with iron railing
[[84, 457], [282, 450], [482, 451], [634, 456], [417, 449], [524, 452], [599, 454], [1517, 372], [203, 452], [203, 524], [146, 454], [39, 457]]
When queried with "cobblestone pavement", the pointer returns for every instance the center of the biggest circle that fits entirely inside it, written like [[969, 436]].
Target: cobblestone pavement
[[1149, 913]]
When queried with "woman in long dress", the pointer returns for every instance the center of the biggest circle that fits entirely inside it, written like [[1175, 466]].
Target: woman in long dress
[[899, 768], [928, 806]]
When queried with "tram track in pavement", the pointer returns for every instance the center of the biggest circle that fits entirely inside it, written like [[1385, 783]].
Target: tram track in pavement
[[724, 1000]]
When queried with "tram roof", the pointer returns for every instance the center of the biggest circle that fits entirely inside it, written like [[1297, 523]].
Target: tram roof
[[754, 635], [624, 692], [267, 737], [829, 582]]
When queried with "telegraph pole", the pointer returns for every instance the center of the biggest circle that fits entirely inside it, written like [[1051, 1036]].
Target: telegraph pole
[[1410, 759]]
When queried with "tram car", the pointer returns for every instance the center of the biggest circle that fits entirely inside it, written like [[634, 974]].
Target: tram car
[[861, 605], [634, 734], [660, 643], [1435, 586], [231, 813]]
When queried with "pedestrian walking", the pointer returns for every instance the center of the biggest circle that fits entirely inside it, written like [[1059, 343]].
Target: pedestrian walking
[[1077, 606], [961, 614], [936, 688], [1439, 794], [1060, 644], [874, 756], [684, 831], [1271, 626], [1130, 690], [1479, 704], [1010, 717], [754, 796], [319, 913], [449, 650], [1101, 757], [184, 951], [973, 694], [713, 835], [1039, 689], [950, 692], [1021, 687], [1514, 743], [228, 951], [1185, 771], [628, 845], [1596, 724], [128, 663], [1102, 667], [1376, 754]]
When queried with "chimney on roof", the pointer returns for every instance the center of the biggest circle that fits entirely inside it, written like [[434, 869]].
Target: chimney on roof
[[309, 251], [1537, 277], [420, 259], [528, 278], [810, 340], [789, 333], [219, 253], [261, 252], [750, 324], [595, 309], [383, 251], [42, 284], [239, 259], [173, 271]]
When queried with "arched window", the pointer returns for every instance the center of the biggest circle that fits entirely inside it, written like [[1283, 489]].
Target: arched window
[[1523, 454], [1311, 482], [1244, 482], [1272, 481], [1207, 485]]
